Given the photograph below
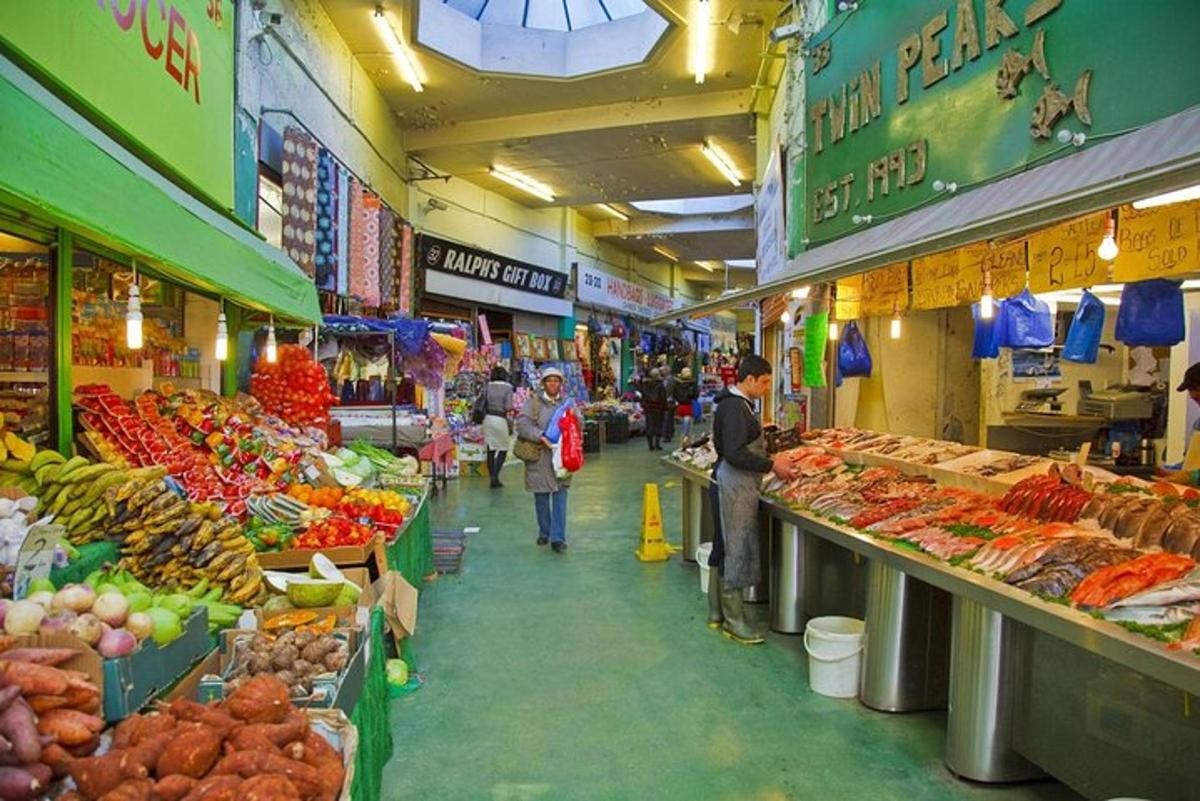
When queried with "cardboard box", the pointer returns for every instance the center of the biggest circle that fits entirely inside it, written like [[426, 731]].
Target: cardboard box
[[373, 556], [398, 599], [86, 660], [132, 681]]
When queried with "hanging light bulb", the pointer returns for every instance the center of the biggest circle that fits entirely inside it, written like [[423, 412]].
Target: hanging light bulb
[[1108, 245], [987, 303], [833, 329], [133, 315], [786, 317], [895, 328], [272, 353], [222, 349]]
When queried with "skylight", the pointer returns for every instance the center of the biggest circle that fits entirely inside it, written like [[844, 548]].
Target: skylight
[[719, 204], [547, 15]]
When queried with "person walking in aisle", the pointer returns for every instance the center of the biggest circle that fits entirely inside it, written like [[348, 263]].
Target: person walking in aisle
[[497, 430], [549, 491], [669, 414], [741, 462], [654, 404], [685, 393]]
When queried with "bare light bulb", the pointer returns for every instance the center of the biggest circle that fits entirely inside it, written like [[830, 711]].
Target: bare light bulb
[[833, 329], [221, 352], [786, 317], [1108, 245], [272, 351], [895, 329], [133, 318], [987, 306]]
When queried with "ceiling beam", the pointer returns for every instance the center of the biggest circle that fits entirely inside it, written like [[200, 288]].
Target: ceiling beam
[[674, 226], [589, 118]]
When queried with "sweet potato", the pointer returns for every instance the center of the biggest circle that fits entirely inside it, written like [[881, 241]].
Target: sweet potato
[[41, 656], [216, 788], [18, 784], [97, 775], [57, 758], [85, 749], [79, 697], [41, 704], [19, 726], [135, 728], [322, 756], [191, 753], [7, 642], [268, 787], [41, 772], [32, 678], [69, 727], [131, 790], [187, 710], [253, 736], [8, 695], [149, 750], [71, 795], [174, 788], [249, 764], [262, 699]]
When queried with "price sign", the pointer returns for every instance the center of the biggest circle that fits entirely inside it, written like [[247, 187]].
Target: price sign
[[1064, 257], [1157, 243], [1006, 263], [885, 290], [36, 556], [849, 298], [935, 280]]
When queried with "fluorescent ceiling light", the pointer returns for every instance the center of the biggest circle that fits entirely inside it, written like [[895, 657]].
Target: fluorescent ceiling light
[[742, 263], [403, 57], [721, 161], [699, 31], [660, 250], [1178, 196], [523, 182], [711, 265], [620, 215], [714, 204]]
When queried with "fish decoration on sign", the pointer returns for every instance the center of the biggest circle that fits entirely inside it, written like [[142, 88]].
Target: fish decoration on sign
[[1053, 105]]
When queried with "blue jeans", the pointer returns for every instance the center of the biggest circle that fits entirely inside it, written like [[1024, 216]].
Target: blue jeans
[[552, 514]]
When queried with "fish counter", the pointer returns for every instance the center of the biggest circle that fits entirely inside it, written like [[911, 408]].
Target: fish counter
[[1058, 643]]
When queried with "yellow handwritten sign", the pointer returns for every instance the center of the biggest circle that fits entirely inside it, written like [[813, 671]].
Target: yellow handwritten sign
[[1064, 257], [1158, 242], [885, 290], [1006, 263], [935, 280], [849, 298]]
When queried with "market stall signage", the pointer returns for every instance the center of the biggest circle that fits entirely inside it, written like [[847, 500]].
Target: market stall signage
[[768, 222], [444, 256], [160, 73], [1064, 256], [848, 302], [598, 288], [900, 96], [1158, 242], [1007, 265], [885, 291], [935, 280]]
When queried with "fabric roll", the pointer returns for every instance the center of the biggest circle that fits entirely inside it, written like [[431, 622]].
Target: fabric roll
[[388, 251], [300, 197], [326, 258], [342, 285], [404, 292], [372, 206]]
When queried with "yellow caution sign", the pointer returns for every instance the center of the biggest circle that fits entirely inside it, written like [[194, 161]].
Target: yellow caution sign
[[653, 548]]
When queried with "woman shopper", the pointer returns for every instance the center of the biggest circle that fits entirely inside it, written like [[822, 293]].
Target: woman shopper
[[654, 404], [549, 491], [497, 431], [685, 393]]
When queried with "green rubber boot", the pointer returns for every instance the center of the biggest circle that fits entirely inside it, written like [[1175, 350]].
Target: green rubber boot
[[715, 617], [735, 626]]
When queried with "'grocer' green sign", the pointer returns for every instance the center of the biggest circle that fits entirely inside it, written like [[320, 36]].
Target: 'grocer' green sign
[[903, 95], [160, 71]]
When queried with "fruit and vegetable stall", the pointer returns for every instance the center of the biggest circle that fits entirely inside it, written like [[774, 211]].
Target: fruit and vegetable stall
[[1091, 580], [202, 603]]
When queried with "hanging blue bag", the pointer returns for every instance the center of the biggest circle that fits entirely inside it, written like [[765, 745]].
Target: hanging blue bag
[[1025, 323], [854, 360], [1083, 337], [986, 332], [1151, 313]]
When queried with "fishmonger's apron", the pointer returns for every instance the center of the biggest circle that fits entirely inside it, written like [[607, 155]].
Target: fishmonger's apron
[[738, 493]]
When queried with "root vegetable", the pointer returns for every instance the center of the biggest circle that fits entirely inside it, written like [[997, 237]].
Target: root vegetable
[[140, 625], [192, 753], [131, 790], [277, 734], [41, 772], [174, 788], [40, 656], [322, 756], [18, 784], [19, 727], [57, 758], [85, 749], [215, 788], [112, 608], [269, 787], [137, 728], [69, 727], [97, 775], [23, 617], [87, 628], [57, 623], [41, 704], [116, 643], [42, 599], [187, 710], [34, 679], [8, 695], [262, 699], [249, 764], [77, 598], [85, 699]]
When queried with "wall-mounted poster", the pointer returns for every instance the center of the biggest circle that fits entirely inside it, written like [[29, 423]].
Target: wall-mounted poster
[[552, 351], [569, 352], [538, 346], [522, 347]]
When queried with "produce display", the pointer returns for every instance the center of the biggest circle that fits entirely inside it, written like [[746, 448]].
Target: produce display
[[294, 387], [389, 470], [1123, 550], [299, 658]]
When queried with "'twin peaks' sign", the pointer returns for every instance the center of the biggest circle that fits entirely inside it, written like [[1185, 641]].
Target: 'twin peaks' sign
[[445, 256]]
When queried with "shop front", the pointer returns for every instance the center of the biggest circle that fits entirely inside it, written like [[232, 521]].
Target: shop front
[[982, 216]]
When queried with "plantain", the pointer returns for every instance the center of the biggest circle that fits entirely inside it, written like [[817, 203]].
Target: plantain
[[131, 488], [247, 593], [18, 466], [46, 473], [102, 484], [166, 515], [78, 519], [152, 473], [70, 466], [162, 502], [205, 555], [84, 474], [148, 494], [205, 534], [45, 457], [220, 562]]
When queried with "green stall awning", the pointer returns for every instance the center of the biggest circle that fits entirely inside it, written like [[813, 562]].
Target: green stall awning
[[57, 166]]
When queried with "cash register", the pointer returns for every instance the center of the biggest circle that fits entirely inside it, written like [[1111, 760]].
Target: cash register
[[1116, 403]]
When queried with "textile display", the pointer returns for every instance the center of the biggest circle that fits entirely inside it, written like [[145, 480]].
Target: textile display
[[343, 232], [327, 222], [357, 234], [404, 272], [388, 252], [372, 205], [299, 210]]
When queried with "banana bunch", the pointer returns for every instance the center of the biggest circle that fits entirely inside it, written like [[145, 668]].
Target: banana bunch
[[168, 541]]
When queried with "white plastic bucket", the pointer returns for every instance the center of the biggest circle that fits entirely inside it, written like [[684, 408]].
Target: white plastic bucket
[[702, 553], [834, 646]]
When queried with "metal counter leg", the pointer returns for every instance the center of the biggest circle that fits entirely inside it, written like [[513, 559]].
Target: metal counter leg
[[693, 496], [907, 654], [987, 654], [787, 578]]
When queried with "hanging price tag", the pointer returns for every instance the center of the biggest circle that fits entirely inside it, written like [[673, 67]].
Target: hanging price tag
[[36, 556], [1064, 257], [1157, 243]]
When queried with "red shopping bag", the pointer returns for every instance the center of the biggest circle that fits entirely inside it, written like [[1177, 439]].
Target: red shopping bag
[[572, 441]]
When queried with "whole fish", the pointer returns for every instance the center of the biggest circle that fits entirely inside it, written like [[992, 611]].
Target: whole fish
[[1181, 590], [1153, 615], [1015, 66]]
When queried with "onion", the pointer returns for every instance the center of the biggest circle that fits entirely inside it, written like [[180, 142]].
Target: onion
[[140, 625], [57, 623], [87, 628], [112, 608], [42, 599], [23, 617], [116, 643], [75, 597]]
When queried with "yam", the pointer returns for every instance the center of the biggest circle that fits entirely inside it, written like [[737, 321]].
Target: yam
[[41, 704], [97, 775], [327, 761], [191, 753], [150, 749], [57, 758], [187, 710], [174, 788], [85, 749], [41, 656], [41, 772], [19, 726], [262, 699], [8, 695], [135, 728], [216, 788], [277, 734], [131, 790], [69, 726], [84, 699], [249, 764], [32, 678], [18, 784], [268, 787]]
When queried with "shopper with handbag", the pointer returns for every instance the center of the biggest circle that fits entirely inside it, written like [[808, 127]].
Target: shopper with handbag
[[654, 404], [536, 450], [497, 430], [685, 394]]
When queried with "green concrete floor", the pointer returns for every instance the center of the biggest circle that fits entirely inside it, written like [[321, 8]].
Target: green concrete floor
[[592, 676]]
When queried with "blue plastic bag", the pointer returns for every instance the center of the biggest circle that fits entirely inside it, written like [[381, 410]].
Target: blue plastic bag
[[1151, 313], [1083, 337], [986, 331], [553, 432], [853, 357], [1026, 322]]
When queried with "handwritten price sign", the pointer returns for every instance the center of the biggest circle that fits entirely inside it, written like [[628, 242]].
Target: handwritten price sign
[[1064, 257], [36, 556], [1157, 243]]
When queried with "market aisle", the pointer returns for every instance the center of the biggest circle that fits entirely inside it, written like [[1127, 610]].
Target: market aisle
[[592, 676]]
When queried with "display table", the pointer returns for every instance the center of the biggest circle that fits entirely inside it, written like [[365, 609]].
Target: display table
[[437, 451], [1085, 700], [372, 716]]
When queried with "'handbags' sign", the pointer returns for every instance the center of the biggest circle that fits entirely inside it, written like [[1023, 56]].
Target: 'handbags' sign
[[445, 256]]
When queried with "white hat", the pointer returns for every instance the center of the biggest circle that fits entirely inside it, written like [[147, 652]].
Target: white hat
[[552, 372]]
